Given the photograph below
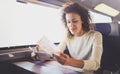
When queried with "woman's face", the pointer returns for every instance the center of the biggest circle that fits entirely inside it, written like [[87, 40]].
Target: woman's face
[[74, 23]]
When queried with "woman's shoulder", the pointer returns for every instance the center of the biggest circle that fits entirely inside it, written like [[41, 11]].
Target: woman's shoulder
[[94, 33]]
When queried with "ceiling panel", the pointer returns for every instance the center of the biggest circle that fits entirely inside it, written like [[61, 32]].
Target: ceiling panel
[[90, 4]]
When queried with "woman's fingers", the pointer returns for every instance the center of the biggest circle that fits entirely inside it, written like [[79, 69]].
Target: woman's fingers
[[64, 55], [60, 59], [37, 48]]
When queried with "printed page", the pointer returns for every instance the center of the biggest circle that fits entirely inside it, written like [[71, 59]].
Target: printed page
[[46, 46]]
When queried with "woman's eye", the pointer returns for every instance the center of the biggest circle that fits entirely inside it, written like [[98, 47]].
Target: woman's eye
[[75, 21]]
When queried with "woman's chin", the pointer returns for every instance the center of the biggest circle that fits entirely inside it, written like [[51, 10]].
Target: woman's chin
[[72, 33]]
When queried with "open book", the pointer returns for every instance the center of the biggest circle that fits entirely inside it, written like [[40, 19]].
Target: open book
[[47, 48]]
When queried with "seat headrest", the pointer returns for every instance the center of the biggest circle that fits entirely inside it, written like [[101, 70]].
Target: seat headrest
[[104, 28]]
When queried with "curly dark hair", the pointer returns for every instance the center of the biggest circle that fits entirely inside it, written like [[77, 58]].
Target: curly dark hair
[[76, 8]]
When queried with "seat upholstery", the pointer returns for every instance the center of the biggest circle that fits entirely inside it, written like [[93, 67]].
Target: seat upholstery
[[104, 28], [111, 47]]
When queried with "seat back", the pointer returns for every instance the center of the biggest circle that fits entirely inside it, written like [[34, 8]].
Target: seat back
[[104, 28], [111, 47]]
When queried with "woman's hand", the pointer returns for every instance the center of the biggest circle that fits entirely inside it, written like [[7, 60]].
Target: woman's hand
[[64, 59], [61, 57], [37, 48], [33, 54]]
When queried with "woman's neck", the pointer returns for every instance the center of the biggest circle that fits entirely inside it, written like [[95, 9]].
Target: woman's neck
[[80, 33]]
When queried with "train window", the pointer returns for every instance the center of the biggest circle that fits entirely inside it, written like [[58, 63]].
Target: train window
[[99, 18], [24, 24]]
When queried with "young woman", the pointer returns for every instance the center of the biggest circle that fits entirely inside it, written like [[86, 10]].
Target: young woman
[[84, 44]]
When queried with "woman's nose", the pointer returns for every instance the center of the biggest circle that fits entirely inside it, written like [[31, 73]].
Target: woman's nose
[[71, 24]]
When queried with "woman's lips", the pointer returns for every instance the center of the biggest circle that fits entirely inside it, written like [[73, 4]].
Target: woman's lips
[[72, 29]]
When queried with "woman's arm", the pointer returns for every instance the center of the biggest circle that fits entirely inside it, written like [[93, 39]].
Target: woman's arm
[[94, 61], [64, 59]]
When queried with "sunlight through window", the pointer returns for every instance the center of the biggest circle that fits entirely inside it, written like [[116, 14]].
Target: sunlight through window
[[24, 24]]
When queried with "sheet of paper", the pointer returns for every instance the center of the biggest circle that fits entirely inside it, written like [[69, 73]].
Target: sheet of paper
[[46, 46]]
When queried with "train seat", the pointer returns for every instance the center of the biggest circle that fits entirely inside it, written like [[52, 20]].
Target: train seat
[[111, 48]]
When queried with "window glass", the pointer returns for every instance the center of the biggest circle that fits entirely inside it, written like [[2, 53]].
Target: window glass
[[24, 24], [99, 18]]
